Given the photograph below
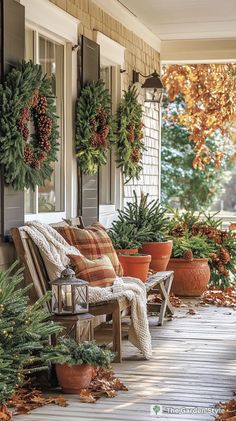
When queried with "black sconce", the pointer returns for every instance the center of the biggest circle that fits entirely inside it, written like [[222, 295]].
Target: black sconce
[[153, 87]]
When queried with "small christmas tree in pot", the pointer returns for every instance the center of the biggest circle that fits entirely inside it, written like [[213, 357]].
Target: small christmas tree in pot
[[76, 364]]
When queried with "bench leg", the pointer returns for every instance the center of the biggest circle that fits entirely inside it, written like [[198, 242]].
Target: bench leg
[[166, 305], [116, 333]]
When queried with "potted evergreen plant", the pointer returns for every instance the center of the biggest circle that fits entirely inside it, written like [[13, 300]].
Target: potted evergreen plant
[[149, 218], [127, 238], [76, 363], [190, 263]]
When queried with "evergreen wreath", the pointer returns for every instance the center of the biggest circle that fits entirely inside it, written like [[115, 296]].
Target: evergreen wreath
[[27, 152], [130, 135], [94, 132]]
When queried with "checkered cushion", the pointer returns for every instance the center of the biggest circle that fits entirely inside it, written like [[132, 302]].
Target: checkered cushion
[[98, 272], [92, 242]]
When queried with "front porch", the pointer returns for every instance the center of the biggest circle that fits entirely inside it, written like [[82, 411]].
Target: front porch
[[193, 365]]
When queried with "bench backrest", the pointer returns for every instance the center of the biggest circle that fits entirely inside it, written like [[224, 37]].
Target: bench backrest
[[35, 273]]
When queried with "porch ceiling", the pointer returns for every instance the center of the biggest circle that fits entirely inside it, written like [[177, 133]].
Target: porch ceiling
[[186, 19]]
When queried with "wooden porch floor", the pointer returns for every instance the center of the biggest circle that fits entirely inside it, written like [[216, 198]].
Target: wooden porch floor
[[193, 364]]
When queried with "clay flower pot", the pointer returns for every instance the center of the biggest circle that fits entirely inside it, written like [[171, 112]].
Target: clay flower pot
[[190, 277], [74, 378], [136, 266], [160, 253], [126, 251]]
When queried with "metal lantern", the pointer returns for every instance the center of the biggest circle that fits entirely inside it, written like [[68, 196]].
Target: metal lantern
[[153, 87], [69, 294]]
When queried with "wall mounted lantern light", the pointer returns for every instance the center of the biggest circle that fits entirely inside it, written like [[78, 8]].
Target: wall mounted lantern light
[[153, 87]]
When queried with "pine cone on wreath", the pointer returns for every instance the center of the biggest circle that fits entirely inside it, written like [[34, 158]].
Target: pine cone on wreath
[[42, 156], [45, 144], [25, 132], [28, 154], [135, 156], [188, 255], [41, 106], [36, 164], [44, 125]]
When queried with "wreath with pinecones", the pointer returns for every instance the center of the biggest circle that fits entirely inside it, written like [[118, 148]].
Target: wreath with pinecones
[[130, 135], [94, 133], [28, 129]]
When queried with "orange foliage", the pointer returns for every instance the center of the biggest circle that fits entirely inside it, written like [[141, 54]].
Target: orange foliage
[[209, 91]]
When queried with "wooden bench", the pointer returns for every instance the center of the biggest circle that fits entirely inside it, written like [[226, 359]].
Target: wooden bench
[[35, 274]]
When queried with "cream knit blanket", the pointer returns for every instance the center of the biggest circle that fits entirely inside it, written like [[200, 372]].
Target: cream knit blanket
[[54, 249]]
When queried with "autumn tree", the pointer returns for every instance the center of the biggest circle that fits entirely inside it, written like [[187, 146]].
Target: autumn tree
[[182, 185], [209, 91]]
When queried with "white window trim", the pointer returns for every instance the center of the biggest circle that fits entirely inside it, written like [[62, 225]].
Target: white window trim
[[49, 19], [111, 54]]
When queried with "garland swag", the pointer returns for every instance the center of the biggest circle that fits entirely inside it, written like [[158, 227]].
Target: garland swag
[[130, 135], [94, 132], [26, 99]]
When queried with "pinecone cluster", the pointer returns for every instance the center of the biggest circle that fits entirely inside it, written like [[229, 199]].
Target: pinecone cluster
[[135, 156], [28, 154], [23, 123], [220, 260], [44, 126], [100, 129], [42, 104], [215, 234]]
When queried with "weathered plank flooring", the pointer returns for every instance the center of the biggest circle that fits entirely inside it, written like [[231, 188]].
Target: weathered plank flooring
[[193, 365]]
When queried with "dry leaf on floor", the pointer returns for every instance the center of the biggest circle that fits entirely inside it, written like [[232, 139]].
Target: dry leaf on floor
[[191, 311], [103, 384], [227, 411], [5, 414], [157, 299], [221, 297], [86, 396], [25, 400]]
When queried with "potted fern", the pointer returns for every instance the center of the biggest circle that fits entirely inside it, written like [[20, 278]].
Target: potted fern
[[149, 218], [76, 363], [190, 263]]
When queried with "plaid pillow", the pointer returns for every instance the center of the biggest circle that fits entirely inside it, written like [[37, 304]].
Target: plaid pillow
[[92, 242], [98, 272]]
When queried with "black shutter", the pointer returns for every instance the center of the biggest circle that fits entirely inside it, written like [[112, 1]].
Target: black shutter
[[88, 184], [12, 41]]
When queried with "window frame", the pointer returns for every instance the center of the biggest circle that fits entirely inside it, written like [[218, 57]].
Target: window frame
[[112, 55], [50, 21]]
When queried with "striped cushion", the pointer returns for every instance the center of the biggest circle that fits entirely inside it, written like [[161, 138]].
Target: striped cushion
[[98, 272], [92, 242]]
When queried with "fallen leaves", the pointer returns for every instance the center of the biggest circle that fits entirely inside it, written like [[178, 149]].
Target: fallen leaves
[[227, 411], [5, 414], [157, 299], [104, 384], [221, 297], [25, 400]]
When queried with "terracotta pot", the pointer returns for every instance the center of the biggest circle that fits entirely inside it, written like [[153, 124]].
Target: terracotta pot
[[190, 278], [135, 266], [160, 253], [126, 251], [74, 378]]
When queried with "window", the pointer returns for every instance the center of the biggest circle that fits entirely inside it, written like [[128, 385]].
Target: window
[[107, 173], [50, 54]]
